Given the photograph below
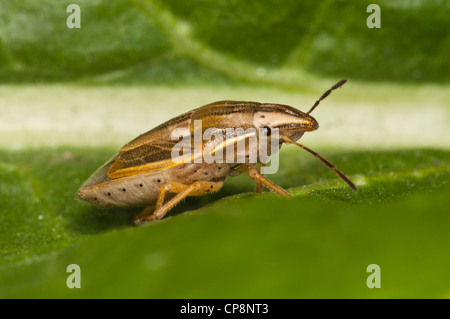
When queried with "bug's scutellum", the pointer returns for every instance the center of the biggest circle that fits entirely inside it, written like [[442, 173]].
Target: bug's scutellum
[[143, 172]]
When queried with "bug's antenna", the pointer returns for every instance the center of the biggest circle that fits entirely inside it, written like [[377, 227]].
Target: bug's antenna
[[334, 87], [341, 175]]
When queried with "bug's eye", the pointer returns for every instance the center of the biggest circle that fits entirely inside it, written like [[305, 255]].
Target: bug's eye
[[267, 131]]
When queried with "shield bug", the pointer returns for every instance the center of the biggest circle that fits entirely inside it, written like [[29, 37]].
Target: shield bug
[[151, 172]]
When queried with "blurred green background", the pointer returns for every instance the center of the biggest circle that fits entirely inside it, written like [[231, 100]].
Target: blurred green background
[[70, 98]]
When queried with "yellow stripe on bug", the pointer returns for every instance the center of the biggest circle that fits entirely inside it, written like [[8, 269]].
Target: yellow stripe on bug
[[152, 167]]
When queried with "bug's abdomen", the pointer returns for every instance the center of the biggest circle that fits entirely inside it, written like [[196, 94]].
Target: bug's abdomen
[[143, 189], [138, 190]]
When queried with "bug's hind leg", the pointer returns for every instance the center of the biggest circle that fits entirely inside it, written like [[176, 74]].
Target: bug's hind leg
[[195, 189], [253, 173], [147, 211]]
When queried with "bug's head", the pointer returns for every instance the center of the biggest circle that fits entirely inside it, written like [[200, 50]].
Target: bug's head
[[287, 120], [290, 122]]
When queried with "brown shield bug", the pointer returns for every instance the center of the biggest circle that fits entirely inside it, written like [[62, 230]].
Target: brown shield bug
[[145, 172]]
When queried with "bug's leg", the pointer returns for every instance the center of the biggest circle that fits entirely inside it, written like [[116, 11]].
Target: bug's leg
[[173, 187], [258, 184], [253, 173], [195, 189], [145, 213]]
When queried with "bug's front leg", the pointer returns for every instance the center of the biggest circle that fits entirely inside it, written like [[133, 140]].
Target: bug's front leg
[[258, 184], [256, 175]]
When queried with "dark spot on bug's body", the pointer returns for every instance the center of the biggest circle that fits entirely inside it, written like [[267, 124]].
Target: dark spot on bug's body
[[212, 186], [109, 194], [140, 185], [124, 189], [159, 181]]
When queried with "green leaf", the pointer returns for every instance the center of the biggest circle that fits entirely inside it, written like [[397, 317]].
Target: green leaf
[[199, 41], [232, 244]]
